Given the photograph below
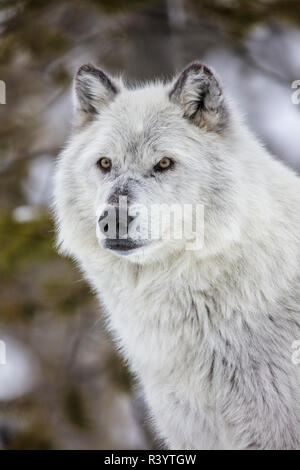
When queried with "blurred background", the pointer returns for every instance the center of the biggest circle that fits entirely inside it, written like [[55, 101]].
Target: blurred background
[[63, 385]]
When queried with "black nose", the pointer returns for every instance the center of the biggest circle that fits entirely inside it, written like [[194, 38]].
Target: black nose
[[114, 223]]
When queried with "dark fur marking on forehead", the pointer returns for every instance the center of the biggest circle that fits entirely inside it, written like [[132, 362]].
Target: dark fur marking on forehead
[[133, 147]]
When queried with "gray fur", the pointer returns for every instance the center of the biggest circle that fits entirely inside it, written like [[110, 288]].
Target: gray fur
[[208, 333], [198, 92], [93, 89]]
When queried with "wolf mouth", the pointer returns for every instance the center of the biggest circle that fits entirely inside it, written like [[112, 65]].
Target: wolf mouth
[[123, 246]]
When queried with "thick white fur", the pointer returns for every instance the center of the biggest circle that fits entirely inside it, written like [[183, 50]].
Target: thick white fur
[[208, 333]]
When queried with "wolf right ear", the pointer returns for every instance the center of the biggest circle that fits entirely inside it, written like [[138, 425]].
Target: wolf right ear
[[93, 89], [200, 96]]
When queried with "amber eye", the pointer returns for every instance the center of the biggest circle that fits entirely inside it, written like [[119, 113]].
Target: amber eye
[[104, 163], [163, 164]]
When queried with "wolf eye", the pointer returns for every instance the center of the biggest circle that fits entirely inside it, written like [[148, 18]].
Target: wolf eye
[[104, 163], [164, 164]]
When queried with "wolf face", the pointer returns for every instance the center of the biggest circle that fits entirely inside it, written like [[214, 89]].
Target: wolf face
[[158, 146]]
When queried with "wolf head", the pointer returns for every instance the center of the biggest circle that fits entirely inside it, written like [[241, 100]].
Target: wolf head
[[158, 145]]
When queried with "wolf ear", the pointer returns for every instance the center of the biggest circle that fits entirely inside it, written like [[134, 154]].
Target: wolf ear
[[200, 96], [93, 89]]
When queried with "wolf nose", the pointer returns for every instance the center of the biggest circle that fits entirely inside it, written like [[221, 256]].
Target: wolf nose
[[114, 222]]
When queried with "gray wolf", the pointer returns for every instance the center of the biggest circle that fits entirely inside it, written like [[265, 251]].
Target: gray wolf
[[207, 332]]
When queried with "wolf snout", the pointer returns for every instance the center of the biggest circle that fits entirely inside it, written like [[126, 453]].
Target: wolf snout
[[117, 230], [114, 223]]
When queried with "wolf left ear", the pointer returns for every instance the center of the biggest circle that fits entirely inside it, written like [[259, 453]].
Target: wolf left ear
[[200, 96], [93, 89]]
